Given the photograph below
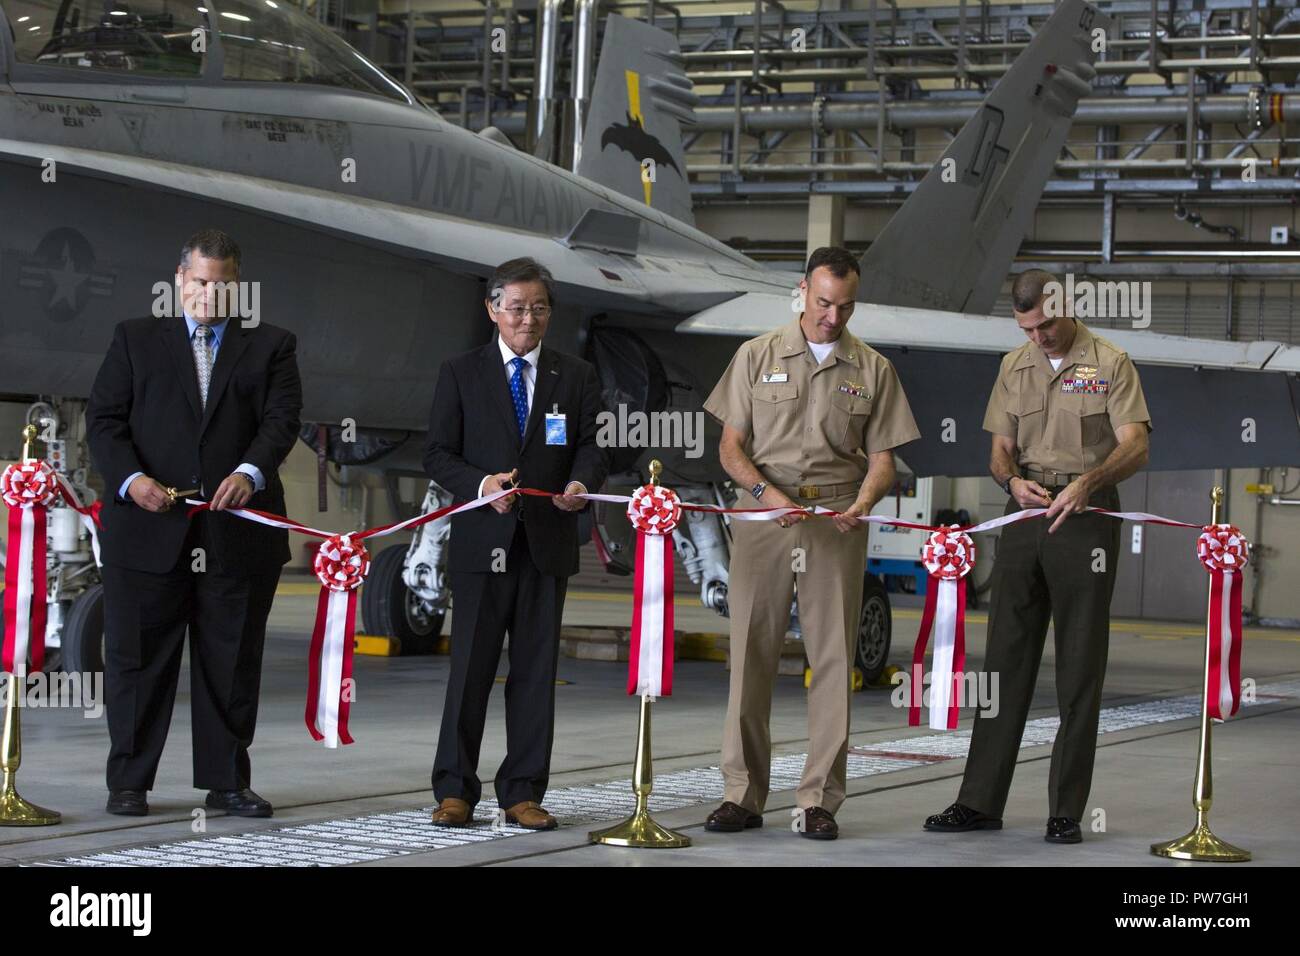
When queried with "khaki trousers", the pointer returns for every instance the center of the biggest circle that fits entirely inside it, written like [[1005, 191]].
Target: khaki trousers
[[761, 585]]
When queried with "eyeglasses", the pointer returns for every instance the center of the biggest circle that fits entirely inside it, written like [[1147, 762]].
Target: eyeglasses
[[537, 311]]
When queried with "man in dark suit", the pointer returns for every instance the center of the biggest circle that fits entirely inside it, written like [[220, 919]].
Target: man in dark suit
[[510, 412], [202, 401]]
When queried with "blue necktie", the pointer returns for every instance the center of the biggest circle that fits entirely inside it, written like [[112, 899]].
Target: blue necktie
[[519, 392]]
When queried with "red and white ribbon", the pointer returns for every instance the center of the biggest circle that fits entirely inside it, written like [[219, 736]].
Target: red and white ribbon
[[341, 565], [28, 488], [88, 515], [654, 512], [1224, 551], [948, 556]]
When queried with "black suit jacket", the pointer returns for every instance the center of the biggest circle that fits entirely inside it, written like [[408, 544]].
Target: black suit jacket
[[473, 434], [144, 415]]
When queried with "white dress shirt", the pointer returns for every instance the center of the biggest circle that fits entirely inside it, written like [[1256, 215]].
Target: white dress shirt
[[530, 383], [246, 468]]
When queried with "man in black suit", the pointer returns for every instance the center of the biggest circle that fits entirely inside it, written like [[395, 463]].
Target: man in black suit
[[510, 412], [210, 402]]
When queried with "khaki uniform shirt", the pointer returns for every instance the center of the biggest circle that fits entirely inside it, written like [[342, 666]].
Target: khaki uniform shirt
[[1064, 421], [808, 423]]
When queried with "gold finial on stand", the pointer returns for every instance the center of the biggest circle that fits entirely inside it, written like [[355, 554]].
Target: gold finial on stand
[[1200, 843]]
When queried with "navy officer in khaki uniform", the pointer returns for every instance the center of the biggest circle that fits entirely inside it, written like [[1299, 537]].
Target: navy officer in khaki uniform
[[810, 416], [1069, 423]]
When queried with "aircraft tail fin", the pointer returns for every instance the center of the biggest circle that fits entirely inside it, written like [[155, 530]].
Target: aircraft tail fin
[[640, 101], [952, 243]]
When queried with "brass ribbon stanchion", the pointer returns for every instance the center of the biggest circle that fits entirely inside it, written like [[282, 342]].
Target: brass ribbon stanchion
[[14, 810], [654, 511], [640, 829], [1200, 843]]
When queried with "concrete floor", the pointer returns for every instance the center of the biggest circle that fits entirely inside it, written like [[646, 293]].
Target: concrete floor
[[1141, 790]]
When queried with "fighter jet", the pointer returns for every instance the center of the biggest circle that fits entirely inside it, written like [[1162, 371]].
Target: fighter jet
[[369, 224]]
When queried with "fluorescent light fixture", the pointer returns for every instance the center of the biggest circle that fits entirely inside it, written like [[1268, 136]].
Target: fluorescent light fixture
[[237, 16]]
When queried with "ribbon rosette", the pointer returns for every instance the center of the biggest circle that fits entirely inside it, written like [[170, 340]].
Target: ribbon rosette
[[28, 484], [948, 556], [1224, 551], [28, 488], [654, 512], [341, 566]]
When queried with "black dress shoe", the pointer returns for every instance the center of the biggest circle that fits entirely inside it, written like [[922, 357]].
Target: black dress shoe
[[1063, 830], [818, 824], [732, 818], [128, 803], [238, 803], [959, 818]]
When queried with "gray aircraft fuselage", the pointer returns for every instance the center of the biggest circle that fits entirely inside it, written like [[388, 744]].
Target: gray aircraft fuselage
[[77, 255]]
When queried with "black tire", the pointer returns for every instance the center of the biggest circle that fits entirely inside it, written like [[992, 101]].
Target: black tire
[[875, 629], [389, 609], [83, 632]]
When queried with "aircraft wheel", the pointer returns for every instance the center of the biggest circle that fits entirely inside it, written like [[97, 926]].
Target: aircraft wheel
[[874, 630], [83, 632], [389, 608]]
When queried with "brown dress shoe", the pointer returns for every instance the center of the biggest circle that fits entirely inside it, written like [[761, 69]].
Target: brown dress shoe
[[732, 818], [819, 825], [452, 812], [530, 815]]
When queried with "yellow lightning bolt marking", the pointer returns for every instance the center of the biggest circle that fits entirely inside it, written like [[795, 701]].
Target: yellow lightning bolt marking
[[634, 111]]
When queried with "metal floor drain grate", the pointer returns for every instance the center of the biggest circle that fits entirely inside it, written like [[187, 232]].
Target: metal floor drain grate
[[398, 833]]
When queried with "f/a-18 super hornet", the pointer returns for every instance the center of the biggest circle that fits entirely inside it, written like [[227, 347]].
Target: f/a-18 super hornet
[[369, 223]]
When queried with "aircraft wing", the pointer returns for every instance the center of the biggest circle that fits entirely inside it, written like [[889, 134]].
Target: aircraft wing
[[600, 263], [1200, 392]]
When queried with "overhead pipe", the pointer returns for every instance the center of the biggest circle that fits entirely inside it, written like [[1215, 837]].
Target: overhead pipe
[[1080, 165], [1257, 108], [904, 115], [586, 14], [775, 77], [549, 14]]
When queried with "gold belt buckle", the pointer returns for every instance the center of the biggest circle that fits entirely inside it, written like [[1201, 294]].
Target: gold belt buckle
[[810, 491]]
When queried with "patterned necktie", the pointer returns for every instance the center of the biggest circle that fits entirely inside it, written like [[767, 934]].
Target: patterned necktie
[[519, 392], [203, 361]]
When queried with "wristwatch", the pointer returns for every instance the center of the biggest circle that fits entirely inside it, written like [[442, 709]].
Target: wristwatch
[[757, 490], [1007, 484]]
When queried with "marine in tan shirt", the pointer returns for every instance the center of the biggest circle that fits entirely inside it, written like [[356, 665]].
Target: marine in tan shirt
[[1064, 421], [802, 429], [1069, 423]]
